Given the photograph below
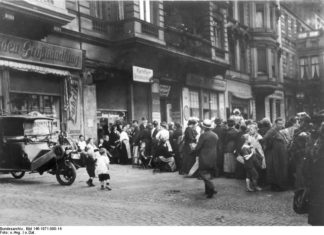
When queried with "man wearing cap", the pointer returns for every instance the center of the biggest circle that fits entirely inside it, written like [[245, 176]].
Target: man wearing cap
[[206, 150]]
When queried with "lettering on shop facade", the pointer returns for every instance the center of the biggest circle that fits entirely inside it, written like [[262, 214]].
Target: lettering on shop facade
[[207, 83], [39, 52]]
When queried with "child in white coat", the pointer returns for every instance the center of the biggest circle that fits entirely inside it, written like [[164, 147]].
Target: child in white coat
[[102, 169]]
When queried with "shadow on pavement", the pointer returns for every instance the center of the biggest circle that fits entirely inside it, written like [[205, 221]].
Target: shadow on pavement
[[19, 181]]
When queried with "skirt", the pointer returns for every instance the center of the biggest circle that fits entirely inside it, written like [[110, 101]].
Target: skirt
[[229, 163]]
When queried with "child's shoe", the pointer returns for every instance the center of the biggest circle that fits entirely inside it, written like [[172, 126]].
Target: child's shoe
[[108, 187], [90, 183], [102, 187]]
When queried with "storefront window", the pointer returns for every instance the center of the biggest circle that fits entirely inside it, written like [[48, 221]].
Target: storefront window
[[44, 104], [194, 103]]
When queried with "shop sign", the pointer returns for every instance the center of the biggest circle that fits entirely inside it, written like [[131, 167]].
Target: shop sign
[[176, 115], [39, 52], [164, 90], [142, 74], [214, 83]]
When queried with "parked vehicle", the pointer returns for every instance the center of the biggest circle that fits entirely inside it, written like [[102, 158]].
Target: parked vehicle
[[27, 145]]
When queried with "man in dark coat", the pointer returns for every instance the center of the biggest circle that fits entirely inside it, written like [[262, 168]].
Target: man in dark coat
[[135, 141], [207, 152], [219, 130]]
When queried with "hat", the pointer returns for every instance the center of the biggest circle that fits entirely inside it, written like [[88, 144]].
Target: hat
[[207, 124], [192, 122], [236, 111], [164, 124], [218, 120]]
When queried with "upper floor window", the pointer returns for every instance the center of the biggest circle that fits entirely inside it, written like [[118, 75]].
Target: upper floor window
[[272, 18], [315, 67], [97, 9], [259, 16], [243, 59], [241, 12], [303, 64], [148, 11], [262, 60], [273, 63], [218, 33]]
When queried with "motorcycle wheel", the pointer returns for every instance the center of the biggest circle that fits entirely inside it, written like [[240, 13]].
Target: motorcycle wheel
[[17, 174], [66, 174]]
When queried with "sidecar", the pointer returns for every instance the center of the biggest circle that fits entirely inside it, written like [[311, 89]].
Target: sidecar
[[26, 145]]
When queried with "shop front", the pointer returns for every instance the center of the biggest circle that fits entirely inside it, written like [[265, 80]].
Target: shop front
[[240, 97], [203, 97], [41, 77]]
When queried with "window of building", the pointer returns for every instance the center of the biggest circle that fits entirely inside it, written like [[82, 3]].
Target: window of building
[[262, 60], [232, 54], [315, 67], [284, 63], [273, 63], [230, 10], [97, 9], [243, 64], [241, 12], [259, 16], [218, 33], [272, 18], [194, 103], [303, 64], [121, 10], [210, 104], [148, 11], [286, 24]]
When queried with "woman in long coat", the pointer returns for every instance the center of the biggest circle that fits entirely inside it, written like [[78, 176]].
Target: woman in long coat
[[189, 157], [230, 141], [276, 156]]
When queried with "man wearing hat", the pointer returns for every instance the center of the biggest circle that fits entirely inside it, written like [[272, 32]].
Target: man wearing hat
[[206, 151]]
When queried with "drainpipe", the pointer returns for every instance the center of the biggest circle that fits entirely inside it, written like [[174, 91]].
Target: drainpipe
[[80, 46]]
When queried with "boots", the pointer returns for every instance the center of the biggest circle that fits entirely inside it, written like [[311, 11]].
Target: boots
[[249, 187]]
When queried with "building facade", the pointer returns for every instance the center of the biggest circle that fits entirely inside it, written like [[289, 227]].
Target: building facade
[[89, 63]]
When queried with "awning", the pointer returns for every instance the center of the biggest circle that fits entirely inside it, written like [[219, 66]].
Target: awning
[[241, 95], [33, 68]]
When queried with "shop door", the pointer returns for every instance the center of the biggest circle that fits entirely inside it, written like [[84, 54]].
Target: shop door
[[163, 109], [141, 100]]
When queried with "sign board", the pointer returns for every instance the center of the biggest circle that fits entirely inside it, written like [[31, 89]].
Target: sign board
[[164, 90], [215, 83], [22, 49], [142, 74]]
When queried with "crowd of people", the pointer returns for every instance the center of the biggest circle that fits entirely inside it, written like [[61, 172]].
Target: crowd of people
[[266, 155]]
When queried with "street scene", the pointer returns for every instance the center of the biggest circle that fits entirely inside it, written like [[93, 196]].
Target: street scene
[[153, 112], [139, 197]]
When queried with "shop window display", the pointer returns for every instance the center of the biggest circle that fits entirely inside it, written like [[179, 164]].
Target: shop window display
[[47, 105]]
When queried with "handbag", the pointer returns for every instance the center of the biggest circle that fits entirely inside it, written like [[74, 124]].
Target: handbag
[[301, 201]]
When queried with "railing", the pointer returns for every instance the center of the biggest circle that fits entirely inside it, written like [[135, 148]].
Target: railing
[[187, 43], [150, 29], [99, 25]]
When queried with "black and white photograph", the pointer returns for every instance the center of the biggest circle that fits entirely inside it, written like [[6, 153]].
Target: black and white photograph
[[163, 113]]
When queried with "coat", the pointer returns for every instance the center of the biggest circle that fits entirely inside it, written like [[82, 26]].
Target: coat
[[207, 150], [230, 140]]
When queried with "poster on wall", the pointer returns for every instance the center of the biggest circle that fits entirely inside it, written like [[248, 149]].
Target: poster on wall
[[72, 105]]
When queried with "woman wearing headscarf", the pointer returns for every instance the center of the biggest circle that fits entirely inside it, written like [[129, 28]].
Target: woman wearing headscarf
[[190, 141]]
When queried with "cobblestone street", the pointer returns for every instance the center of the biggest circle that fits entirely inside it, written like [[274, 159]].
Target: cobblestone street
[[140, 197]]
